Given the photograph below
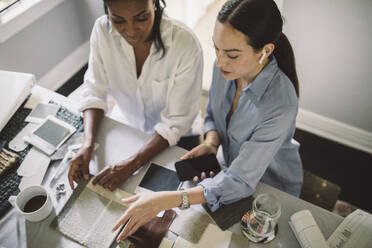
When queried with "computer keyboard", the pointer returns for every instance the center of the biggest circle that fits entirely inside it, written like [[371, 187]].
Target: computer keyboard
[[10, 180]]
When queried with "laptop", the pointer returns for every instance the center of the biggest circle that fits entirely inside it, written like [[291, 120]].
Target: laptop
[[15, 87]]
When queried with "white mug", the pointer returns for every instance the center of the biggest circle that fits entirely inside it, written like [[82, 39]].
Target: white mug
[[19, 202]]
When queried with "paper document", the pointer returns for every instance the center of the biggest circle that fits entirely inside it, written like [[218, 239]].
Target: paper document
[[90, 216], [354, 231], [33, 168], [4, 4], [306, 230]]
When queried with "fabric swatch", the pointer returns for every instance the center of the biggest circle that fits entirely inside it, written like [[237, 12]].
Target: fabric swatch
[[212, 237], [190, 224], [90, 214]]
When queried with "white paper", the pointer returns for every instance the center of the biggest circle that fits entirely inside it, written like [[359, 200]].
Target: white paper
[[18, 144], [33, 168], [43, 95], [38, 96], [31, 162], [119, 142], [6, 3], [42, 111], [354, 231]]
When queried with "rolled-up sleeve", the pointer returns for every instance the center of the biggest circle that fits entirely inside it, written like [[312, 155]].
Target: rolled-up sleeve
[[255, 155], [183, 95], [209, 123], [94, 89]]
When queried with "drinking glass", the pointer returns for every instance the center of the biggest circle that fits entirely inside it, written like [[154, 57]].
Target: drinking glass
[[260, 223]]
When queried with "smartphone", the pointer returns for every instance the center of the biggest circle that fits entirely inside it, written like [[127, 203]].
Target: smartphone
[[188, 169]]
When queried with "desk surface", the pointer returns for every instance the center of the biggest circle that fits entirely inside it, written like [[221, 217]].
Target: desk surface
[[117, 142]]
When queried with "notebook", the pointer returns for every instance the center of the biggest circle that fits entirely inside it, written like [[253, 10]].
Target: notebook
[[14, 89], [227, 215]]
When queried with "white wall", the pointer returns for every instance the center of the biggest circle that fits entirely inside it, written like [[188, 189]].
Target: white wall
[[331, 40], [187, 11], [48, 41]]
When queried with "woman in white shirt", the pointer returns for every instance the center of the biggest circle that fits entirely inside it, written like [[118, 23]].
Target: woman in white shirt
[[152, 67]]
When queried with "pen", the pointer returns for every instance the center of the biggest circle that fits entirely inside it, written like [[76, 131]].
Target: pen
[[72, 150], [62, 166]]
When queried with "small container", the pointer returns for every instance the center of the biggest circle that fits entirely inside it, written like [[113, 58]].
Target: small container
[[260, 224]]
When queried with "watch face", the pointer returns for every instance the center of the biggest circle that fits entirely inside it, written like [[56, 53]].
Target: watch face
[[185, 201]]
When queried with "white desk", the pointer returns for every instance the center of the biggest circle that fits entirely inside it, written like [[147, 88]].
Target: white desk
[[123, 142]]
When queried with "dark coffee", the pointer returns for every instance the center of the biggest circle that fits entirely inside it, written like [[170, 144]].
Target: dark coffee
[[34, 203]]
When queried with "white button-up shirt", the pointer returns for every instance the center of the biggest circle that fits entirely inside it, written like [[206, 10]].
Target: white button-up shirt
[[165, 97]]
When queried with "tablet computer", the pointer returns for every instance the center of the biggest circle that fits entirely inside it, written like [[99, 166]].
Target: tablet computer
[[50, 135], [159, 178]]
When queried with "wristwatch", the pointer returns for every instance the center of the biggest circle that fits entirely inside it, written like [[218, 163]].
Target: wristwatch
[[185, 201]]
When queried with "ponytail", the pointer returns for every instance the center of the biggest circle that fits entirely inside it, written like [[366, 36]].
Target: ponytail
[[284, 55], [262, 23]]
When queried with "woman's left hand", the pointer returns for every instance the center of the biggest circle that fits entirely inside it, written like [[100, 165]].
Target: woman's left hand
[[144, 208], [112, 176]]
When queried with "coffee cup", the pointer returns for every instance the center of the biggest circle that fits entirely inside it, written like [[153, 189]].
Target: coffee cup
[[33, 202]]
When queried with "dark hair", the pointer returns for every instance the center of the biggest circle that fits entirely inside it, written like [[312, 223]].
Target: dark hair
[[261, 22], [155, 33]]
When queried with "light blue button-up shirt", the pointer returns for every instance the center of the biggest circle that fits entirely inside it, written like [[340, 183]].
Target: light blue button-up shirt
[[257, 143]]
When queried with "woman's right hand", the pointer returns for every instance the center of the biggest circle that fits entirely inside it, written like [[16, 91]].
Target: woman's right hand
[[202, 149], [79, 165]]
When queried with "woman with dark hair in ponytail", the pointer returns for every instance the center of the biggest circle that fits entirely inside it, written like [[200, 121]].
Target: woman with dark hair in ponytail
[[152, 67], [251, 113]]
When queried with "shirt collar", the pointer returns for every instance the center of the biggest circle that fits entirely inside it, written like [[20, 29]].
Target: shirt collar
[[263, 79], [111, 28], [166, 30]]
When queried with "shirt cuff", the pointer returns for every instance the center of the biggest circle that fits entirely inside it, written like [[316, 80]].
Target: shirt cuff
[[212, 193], [170, 134], [208, 126], [224, 188], [92, 102]]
